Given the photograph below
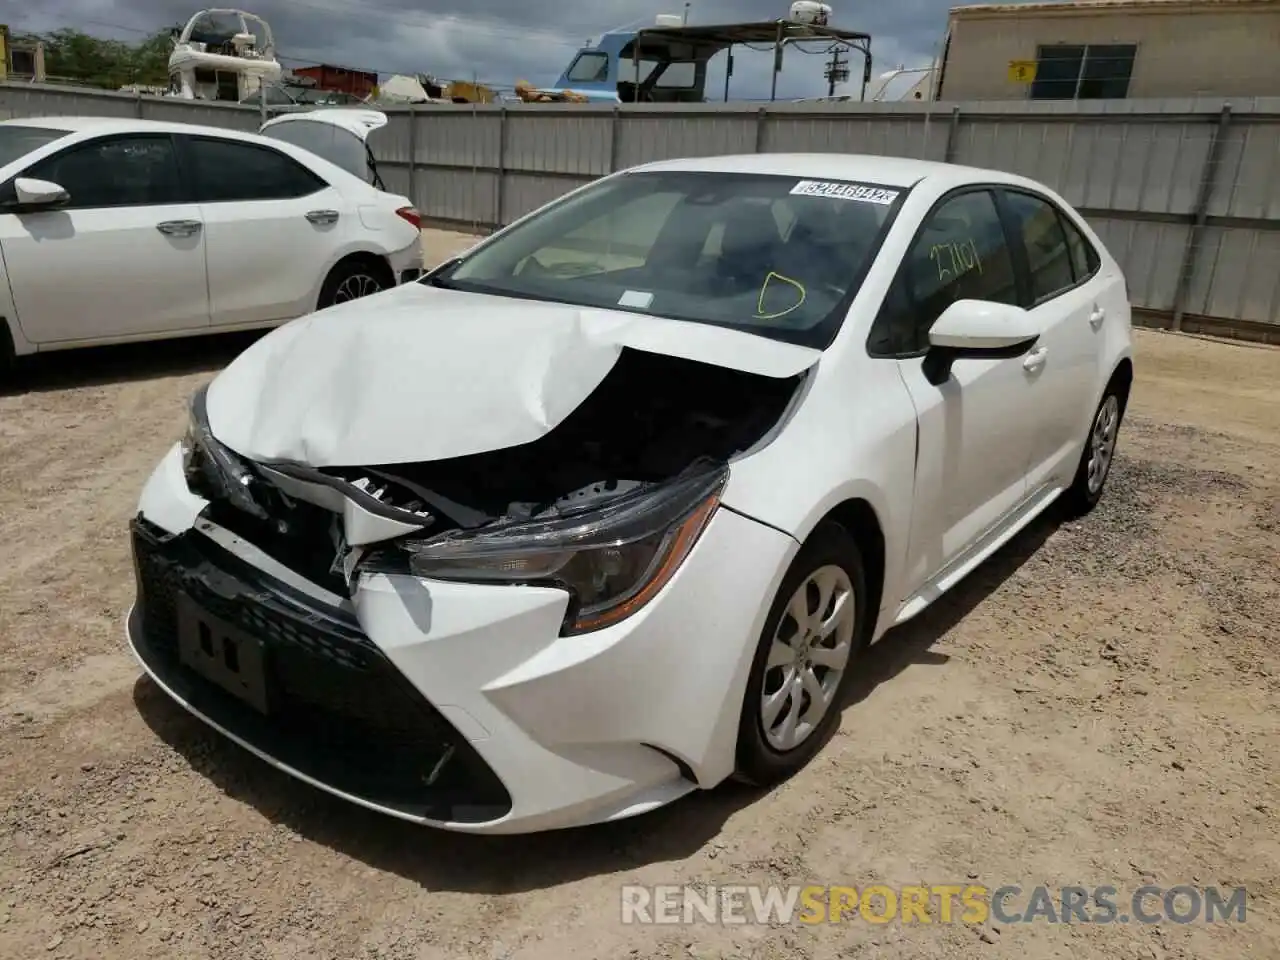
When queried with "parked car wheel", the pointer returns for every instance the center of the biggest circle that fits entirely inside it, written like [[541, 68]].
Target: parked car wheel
[[6, 349], [1099, 453], [351, 280], [812, 637]]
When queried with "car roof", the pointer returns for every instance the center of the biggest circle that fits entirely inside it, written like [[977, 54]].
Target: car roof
[[107, 125], [887, 171]]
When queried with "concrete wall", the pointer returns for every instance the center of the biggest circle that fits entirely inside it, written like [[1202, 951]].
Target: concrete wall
[[1218, 48], [1184, 192]]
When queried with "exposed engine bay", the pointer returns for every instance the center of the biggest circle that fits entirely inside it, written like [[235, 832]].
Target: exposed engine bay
[[651, 418]]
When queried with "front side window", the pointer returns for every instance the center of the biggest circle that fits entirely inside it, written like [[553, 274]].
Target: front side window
[[226, 170], [960, 253], [590, 68], [777, 256], [1037, 223], [127, 171]]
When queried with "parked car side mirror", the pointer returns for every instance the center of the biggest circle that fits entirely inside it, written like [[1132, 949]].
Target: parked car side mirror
[[977, 329], [38, 194]]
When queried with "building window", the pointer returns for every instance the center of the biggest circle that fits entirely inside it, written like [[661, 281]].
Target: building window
[[1077, 72]]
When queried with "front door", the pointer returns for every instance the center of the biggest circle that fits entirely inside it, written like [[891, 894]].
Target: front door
[[125, 257], [974, 428]]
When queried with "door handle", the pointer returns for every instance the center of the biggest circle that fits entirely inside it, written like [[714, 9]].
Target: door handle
[[1096, 318], [179, 228], [1035, 359], [323, 217]]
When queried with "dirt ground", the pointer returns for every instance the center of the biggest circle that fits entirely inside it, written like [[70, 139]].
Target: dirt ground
[[1099, 704]]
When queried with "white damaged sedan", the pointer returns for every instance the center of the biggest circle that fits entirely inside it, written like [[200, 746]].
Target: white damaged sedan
[[607, 509]]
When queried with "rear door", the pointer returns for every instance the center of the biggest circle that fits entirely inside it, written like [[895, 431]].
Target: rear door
[[272, 228], [1066, 298], [125, 257]]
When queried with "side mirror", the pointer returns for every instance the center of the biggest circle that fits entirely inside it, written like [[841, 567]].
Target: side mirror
[[977, 329], [38, 194]]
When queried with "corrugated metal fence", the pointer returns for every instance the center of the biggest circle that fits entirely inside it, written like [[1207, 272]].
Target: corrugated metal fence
[[1186, 193]]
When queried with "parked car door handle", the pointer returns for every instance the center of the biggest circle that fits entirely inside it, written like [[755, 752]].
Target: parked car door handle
[[1035, 359], [1096, 318], [323, 217], [179, 228]]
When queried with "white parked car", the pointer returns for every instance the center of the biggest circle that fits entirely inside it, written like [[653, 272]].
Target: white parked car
[[117, 230], [607, 509]]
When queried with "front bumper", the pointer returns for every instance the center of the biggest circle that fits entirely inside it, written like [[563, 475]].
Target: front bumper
[[534, 731]]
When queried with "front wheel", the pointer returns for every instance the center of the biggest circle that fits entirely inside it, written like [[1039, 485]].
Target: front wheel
[[802, 666], [349, 281], [1099, 452]]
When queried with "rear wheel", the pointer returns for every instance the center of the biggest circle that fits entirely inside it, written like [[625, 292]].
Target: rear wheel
[[1099, 453], [802, 667], [351, 280]]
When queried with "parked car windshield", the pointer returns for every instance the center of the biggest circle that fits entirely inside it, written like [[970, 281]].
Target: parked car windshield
[[17, 141], [777, 256]]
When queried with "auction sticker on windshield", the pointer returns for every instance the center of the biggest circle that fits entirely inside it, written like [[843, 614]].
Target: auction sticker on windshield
[[844, 191]]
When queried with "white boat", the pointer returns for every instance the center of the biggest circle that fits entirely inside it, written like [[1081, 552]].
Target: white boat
[[223, 54]]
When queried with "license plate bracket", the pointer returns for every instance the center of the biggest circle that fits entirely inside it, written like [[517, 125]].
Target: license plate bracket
[[223, 654]]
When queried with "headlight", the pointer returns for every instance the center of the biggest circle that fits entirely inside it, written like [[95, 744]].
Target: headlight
[[612, 559], [211, 469]]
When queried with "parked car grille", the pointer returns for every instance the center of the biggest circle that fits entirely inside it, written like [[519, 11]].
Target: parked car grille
[[340, 712]]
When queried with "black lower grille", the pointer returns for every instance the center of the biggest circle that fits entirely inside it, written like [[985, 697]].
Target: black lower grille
[[339, 711]]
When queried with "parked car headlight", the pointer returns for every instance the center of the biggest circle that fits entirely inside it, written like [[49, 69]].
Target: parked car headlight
[[612, 559], [213, 471]]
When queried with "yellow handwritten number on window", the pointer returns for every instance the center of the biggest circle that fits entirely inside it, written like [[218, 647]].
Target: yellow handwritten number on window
[[952, 259]]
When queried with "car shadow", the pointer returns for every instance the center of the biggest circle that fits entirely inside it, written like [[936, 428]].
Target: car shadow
[[438, 860], [123, 363]]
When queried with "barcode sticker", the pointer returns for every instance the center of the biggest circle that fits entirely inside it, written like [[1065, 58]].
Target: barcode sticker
[[844, 191]]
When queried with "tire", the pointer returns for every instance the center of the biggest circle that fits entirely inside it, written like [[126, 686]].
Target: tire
[[350, 280], [8, 359], [765, 755], [1098, 454]]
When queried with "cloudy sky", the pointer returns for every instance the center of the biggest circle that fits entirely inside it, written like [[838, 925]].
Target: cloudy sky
[[501, 41]]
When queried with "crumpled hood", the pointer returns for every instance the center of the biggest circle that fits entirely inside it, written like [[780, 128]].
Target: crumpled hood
[[420, 373]]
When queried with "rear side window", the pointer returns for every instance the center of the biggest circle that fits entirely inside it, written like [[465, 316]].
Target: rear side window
[[1037, 224], [225, 171], [138, 170], [1084, 259]]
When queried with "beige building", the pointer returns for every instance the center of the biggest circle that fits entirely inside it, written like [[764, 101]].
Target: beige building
[[1107, 49]]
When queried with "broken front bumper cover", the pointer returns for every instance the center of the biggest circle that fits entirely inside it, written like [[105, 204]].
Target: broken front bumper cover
[[325, 703], [578, 730]]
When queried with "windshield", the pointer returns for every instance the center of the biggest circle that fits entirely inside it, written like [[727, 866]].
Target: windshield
[[16, 141], [777, 256]]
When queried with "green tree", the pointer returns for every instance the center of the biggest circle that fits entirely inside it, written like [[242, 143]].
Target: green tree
[[73, 55]]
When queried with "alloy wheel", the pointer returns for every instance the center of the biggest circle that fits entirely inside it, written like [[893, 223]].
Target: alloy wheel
[[355, 286], [1102, 442], [807, 658]]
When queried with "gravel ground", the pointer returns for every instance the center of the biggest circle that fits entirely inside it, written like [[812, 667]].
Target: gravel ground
[[1096, 705]]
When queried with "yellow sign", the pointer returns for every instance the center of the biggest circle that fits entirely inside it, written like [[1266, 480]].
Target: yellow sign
[[1022, 71]]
